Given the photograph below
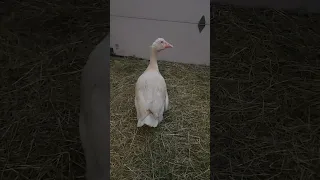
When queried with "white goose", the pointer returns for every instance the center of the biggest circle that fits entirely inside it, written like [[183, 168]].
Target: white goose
[[151, 96]]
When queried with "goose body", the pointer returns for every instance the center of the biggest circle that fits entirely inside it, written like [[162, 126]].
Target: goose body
[[151, 96]]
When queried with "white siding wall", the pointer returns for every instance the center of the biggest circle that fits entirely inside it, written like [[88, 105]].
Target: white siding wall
[[135, 24]]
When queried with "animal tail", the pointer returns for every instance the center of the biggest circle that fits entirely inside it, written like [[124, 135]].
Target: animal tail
[[149, 120]]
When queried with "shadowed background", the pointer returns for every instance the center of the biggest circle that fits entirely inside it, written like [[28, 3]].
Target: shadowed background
[[43, 47], [265, 87]]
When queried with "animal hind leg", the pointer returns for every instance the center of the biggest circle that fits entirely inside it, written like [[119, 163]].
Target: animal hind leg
[[160, 117], [166, 107], [137, 109]]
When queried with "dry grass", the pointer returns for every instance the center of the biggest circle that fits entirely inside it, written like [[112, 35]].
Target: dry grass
[[265, 73], [43, 47], [179, 147]]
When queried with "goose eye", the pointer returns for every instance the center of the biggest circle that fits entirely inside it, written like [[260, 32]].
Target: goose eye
[[161, 41]]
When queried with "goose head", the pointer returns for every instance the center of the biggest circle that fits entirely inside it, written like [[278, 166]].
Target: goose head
[[161, 44]]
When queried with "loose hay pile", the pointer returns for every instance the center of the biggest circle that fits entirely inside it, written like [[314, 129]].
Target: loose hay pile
[[265, 74], [179, 147]]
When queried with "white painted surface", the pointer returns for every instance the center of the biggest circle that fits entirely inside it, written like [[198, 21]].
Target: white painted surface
[[135, 35], [173, 10]]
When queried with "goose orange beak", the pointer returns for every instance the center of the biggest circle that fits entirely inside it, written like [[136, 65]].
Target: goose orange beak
[[168, 45]]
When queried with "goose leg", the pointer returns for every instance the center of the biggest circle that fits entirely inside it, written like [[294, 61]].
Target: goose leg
[[166, 102]]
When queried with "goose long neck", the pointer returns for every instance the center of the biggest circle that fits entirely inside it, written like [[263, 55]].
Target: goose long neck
[[153, 64]]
